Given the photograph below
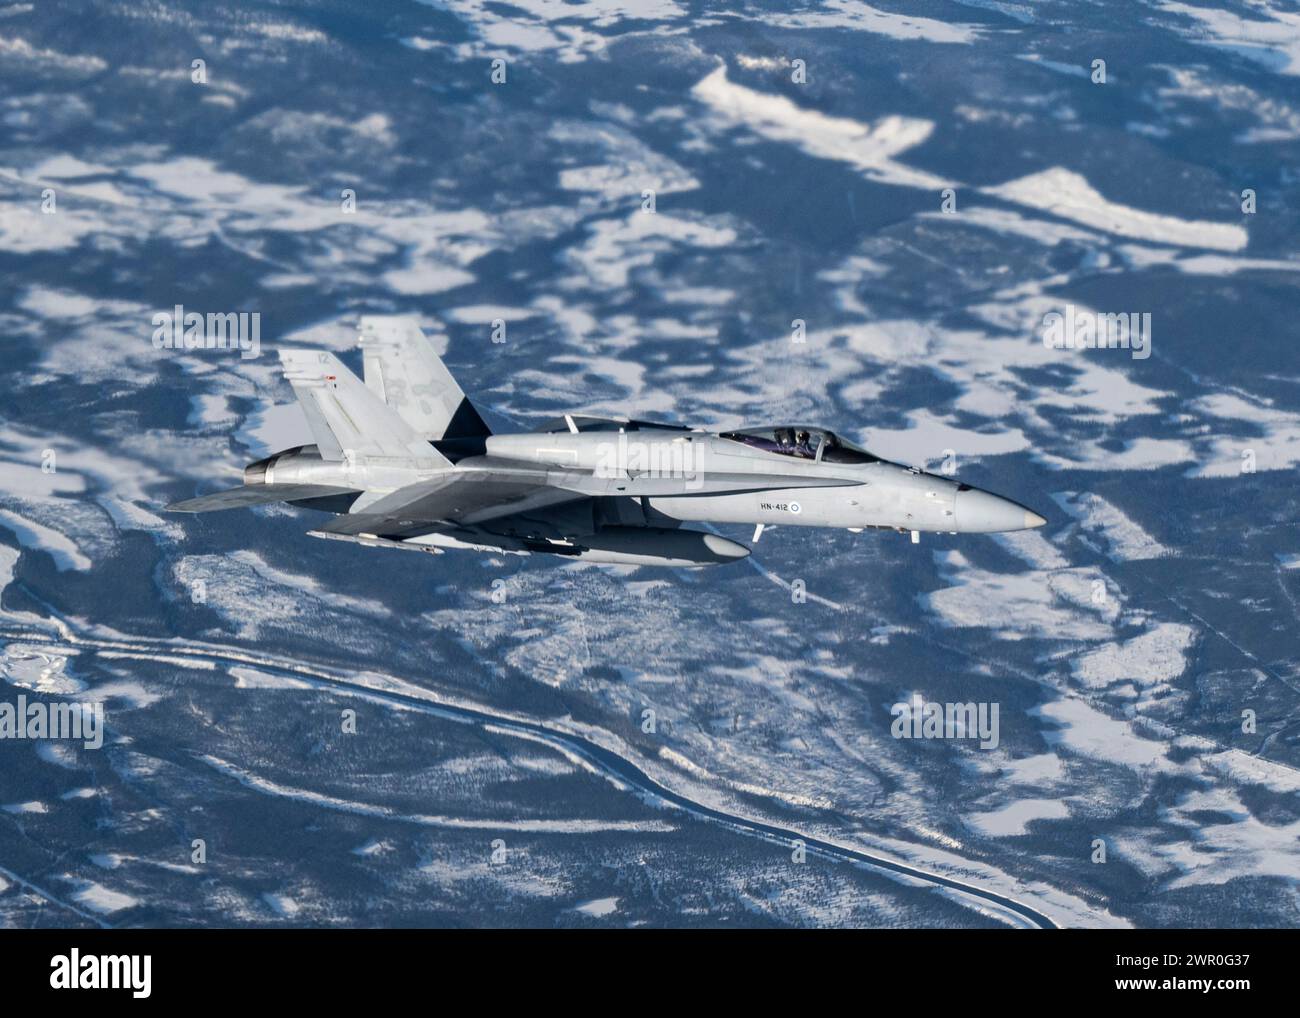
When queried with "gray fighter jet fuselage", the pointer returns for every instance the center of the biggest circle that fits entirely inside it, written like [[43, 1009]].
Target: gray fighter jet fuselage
[[405, 461]]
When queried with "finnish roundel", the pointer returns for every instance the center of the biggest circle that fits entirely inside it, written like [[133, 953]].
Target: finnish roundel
[[795, 507]]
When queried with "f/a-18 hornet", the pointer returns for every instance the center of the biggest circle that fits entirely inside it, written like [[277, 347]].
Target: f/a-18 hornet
[[405, 461]]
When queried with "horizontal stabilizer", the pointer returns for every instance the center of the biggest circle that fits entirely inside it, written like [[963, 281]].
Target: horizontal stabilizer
[[256, 494]]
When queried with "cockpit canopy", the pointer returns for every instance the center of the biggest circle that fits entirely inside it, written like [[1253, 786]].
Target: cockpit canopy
[[803, 442]]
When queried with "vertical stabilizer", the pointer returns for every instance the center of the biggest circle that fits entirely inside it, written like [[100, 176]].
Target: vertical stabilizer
[[347, 418], [402, 369]]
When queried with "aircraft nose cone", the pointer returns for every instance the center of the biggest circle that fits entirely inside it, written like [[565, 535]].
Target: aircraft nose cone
[[982, 512]]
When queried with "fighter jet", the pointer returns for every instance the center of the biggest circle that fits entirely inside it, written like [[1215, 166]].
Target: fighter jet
[[404, 460]]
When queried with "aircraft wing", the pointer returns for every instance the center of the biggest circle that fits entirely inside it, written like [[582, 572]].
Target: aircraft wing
[[467, 497], [256, 494], [460, 499]]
